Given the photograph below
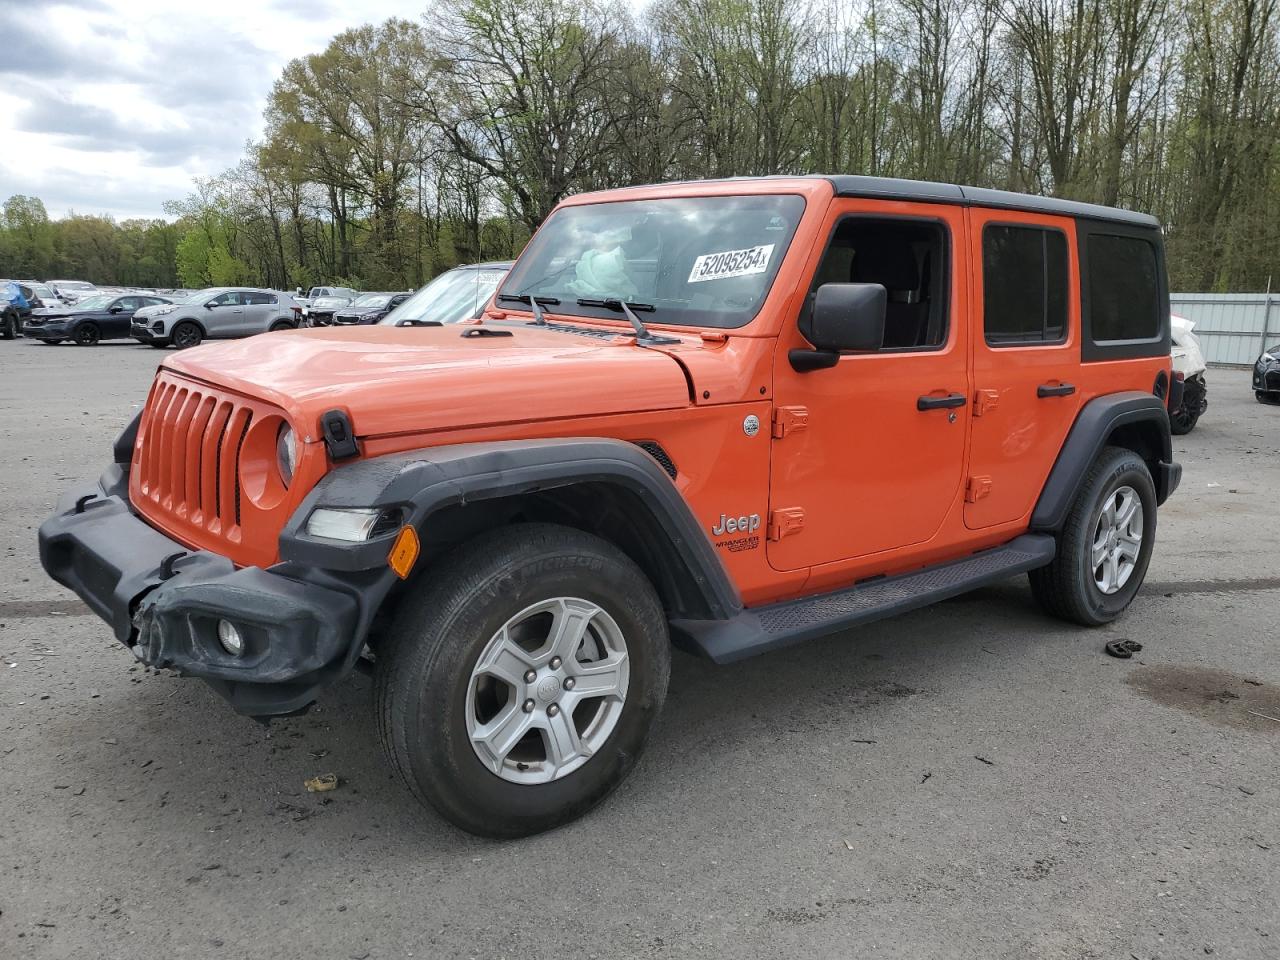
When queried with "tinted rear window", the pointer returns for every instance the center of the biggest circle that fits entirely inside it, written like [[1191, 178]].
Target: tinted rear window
[[1123, 288], [1024, 284]]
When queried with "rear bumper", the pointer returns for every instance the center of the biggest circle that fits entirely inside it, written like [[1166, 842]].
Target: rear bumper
[[164, 602]]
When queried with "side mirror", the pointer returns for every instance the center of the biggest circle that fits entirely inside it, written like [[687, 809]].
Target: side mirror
[[211, 304], [846, 318], [115, 308]]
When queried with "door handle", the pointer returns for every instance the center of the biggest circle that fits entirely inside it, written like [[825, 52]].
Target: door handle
[[1055, 390], [939, 403]]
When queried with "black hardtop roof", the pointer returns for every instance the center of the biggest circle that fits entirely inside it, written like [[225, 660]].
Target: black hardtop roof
[[891, 188]]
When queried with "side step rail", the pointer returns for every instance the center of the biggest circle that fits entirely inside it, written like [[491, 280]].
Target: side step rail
[[760, 629]]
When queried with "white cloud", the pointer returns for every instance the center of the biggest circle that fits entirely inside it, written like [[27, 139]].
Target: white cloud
[[113, 106]]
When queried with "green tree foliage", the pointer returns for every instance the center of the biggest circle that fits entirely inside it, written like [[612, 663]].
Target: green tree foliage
[[409, 146]]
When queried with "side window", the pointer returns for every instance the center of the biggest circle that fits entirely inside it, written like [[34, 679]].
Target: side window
[[910, 259], [1124, 285], [229, 299], [258, 298], [128, 304], [1024, 285]]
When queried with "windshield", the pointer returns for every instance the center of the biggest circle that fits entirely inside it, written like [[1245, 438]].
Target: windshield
[[371, 300], [700, 261], [76, 285], [455, 295], [43, 292], [321, 302], [99, 302], [203, 296]]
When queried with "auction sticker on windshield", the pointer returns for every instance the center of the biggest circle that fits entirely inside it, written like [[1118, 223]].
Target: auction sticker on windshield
[[731, 263]]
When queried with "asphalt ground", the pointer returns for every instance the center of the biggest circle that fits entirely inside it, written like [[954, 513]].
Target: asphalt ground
[[971, 780]]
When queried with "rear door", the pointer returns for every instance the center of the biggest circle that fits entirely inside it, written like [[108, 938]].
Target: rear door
[[1026, 358], [259, 311]]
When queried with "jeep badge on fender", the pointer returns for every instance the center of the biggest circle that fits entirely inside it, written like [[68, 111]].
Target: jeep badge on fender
[[513, 524], [742, 524]]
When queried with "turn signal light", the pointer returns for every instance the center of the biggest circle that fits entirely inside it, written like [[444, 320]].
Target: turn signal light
[[404, 552]]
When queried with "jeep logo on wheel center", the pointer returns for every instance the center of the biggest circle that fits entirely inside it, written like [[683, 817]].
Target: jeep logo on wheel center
[[748, 523]]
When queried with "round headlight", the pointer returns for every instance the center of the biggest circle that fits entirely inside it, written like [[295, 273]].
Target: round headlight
[[286, 452]]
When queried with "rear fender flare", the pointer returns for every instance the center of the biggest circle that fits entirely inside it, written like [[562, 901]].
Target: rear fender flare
[[1131, 419]]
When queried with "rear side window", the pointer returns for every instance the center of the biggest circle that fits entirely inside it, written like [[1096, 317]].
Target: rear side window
[[252, 298], [1124, 287], [1024, 285]]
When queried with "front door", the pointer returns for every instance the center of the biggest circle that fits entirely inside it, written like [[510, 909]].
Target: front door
[[868, 454], [226, 317], [116, 323], [1026, 359]]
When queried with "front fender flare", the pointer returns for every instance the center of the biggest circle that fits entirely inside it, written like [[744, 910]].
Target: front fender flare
[[421, 482]]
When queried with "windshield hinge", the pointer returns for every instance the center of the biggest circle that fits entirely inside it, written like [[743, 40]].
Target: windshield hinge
[[788, 420]]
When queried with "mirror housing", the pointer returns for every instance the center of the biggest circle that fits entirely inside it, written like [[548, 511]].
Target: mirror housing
[[115, 308], [211, 304], [845, 318]]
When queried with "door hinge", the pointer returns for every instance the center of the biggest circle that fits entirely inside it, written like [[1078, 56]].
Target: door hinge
[[978, 488], [788, 420], [985, 401], [785, 521]]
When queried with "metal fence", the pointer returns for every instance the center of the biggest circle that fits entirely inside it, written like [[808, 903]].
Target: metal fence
[[1233, 327]]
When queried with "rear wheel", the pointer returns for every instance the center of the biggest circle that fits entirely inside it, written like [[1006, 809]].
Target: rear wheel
[[280, 325], [1105, 545], [87, 335], [187, 334], [520, 681], [1183, 421], [8, 325]]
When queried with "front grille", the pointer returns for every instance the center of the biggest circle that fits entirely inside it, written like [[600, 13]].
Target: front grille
[[1272, 380], [186, 465]]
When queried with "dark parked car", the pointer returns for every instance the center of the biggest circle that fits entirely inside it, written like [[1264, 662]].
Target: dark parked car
[[368, 308], [102, 317], [1266, 376], [457, 294]]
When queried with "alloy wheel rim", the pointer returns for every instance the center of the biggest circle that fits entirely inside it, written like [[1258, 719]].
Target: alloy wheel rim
[[547, 691], [185, 337], [87, 336], [1117, 540]]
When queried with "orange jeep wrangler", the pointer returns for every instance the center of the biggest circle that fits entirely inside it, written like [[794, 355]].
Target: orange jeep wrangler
[[727, 415]]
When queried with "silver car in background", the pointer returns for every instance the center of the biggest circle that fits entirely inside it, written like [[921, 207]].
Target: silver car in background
[[217, 313]]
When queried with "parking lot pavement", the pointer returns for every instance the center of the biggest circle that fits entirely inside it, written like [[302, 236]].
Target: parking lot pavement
[[972, 780]]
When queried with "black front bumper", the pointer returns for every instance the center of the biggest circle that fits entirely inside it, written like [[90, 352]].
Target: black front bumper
[[144, 334], [302, 629], [60, 332]]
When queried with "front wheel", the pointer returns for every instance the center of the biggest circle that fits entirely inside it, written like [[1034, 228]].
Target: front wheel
[[1105, 544], [87, 335], [520, 679], [187, 334], [8, 325]]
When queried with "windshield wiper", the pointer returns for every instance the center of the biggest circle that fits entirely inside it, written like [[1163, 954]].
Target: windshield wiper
[[628, 310], [535, 304]]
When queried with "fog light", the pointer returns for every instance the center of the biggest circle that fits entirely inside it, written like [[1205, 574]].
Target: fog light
[[230, 638]]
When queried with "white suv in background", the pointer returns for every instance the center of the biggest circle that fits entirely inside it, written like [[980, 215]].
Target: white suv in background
[[215, 314]]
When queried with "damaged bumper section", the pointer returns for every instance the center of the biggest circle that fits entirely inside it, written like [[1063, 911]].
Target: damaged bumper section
[[296, 630]]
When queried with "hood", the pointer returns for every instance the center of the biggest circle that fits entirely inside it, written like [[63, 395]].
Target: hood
[[399, 380], [53, 313]]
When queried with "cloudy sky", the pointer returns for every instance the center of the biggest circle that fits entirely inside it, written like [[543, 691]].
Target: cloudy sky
[[112, 106]]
